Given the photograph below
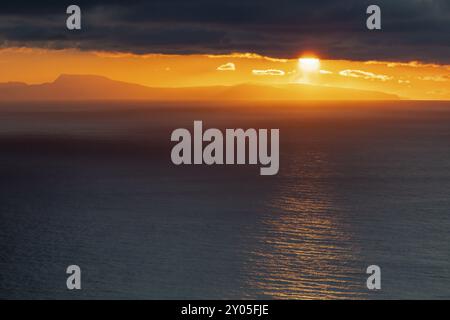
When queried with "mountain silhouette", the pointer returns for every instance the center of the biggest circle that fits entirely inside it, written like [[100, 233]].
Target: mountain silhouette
[[93, 87]]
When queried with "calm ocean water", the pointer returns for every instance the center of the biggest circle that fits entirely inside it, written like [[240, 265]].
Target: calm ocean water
[[93, 185]]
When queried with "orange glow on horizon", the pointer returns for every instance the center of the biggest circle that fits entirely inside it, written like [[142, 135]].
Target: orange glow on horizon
[[410, 80]]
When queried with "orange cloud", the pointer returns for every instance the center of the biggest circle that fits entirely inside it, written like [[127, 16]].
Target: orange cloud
[[412, 64], [230, 66], [268, 72], [436, 78], [364, 75], [246, 55]]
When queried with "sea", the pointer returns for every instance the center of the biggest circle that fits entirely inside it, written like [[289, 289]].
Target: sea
[[92, 184]]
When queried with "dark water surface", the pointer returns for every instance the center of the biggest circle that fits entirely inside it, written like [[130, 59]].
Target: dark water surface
[[93, 185]]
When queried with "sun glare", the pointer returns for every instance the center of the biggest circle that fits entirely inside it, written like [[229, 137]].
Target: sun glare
[[309, 64]]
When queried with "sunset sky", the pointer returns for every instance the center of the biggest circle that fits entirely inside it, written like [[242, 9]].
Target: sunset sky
[[204, 43]]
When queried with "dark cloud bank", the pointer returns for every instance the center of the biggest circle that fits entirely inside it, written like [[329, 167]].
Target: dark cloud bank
[[412, 29]]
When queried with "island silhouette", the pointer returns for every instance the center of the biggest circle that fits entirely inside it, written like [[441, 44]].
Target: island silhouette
[[94, 87]]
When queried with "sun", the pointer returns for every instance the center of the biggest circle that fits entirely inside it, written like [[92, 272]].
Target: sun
[[309, 64]]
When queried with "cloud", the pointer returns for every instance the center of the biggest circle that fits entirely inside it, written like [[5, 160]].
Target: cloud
[[325, 72], [246, 55], [412, 30], [364, 75], [230, 66], [268, 72], [441, 78], [412, 64]]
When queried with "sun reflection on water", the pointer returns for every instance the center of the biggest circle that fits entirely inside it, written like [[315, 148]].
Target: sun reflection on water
[[306, 250]]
